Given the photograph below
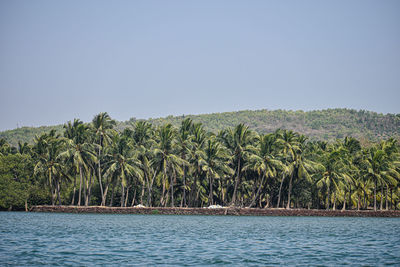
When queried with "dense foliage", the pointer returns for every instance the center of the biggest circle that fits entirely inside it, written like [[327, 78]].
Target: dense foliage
[[186, 165], [326, 125]]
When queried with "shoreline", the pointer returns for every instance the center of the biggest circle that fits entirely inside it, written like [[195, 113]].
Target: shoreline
[[217, 211]]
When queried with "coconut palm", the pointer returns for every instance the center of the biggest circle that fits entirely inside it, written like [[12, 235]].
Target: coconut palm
[[289, 146], [298, 166], [380, 168], [239, 141], [103, 128], [183, 147], [196, 159], [47, 150], [122, 164], [215, 164], [335, 172], [79, 152], [265, 162], [166, 161], [142, 141]]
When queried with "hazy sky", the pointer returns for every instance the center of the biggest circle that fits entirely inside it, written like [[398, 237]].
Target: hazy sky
[[65, 59]]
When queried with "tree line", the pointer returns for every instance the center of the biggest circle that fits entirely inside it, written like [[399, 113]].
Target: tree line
[[187, 166], [327, 125]]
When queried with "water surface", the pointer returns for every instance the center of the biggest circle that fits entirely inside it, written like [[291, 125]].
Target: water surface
[[97, 239]]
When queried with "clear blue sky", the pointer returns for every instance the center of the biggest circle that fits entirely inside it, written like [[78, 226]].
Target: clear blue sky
[[61, 60]]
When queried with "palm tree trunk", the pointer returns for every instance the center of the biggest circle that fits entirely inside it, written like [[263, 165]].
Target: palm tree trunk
[[172, 190], [344, 201], [328, 200], [365, 198], [236, 183], [142, 194], [260, 204], [80, 185], [104, 196], [167, 196], [127, 196], [350, 204], [193, 191], [85, 186], [253, 201], [88, 181], [162, 200], [58, 192], [210, 195], [290, 190], [51, 189], [280, 191], [375, 196], [150, 189], [387, 205], [112, 194], [74, 191], [123, 194], [381, 204], [334, 200], [103, 201], [184, 186], [134, 198], [146, 177], [391, 197], [223, 192], [91, 186]]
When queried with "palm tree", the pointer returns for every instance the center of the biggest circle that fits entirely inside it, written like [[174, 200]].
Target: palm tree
[[215, 164], [335, 172], [47, 150], [380, 168], [23, 148], [196, 158], [123, 164], [183, 146], [166, 161], [264, 162], [5, 148], [141, 137], [103, 127], [297, 165], [79, 151], [239, 141], [290, 146]]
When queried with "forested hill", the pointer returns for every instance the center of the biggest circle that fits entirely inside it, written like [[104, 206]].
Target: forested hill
[[326, 124]]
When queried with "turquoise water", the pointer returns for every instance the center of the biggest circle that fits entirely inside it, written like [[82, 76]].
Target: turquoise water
[[96, 239]]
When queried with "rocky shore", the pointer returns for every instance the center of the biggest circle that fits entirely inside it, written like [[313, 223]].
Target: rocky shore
[[216, 211]]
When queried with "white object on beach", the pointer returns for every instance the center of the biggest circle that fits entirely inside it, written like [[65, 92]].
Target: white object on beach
[[215, 207]]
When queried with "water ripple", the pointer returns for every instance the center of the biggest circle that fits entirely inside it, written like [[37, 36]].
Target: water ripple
[[137, 240]]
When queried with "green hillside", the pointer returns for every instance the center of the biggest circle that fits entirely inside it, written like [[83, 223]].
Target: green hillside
[[326, 124]]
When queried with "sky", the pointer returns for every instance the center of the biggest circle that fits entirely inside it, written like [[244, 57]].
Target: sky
[[61, 60]]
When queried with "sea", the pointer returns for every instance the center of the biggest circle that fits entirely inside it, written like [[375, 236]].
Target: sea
[[59, 239]]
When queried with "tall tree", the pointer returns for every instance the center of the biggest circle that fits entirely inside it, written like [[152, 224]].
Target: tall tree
[[215, 164], [47, 150], [166, 161], [123, 164], [103, 127], [265, 162], [183, 147], [79, 151], [239, 141]]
